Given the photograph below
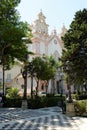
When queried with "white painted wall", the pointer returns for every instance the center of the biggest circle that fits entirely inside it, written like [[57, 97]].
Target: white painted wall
[[42, 48], [52, 47], [15, 70]]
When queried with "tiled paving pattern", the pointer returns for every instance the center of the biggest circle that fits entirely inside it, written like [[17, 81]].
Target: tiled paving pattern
[[40, 119], [17, 113]]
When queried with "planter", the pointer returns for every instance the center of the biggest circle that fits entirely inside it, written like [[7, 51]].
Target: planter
[[24, 104], [70, 109]]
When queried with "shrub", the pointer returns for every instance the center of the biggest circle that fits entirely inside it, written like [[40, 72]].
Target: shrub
[[52, 101], [80, 107], [13, 93], [82, 97], [34, 103], [38, 102], [74, 96], [49, 95], [9, 102]]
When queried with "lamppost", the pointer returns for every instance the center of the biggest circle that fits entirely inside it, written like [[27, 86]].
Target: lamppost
[[24, 75], [31, 84], [60, 73], [69, 100], [61, 80], [24, 101]]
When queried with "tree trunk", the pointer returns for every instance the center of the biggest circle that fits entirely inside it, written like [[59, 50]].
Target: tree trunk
[[3, 80], [47, 86], [31, 86], [53, 86], [37, 87], [25, 88]]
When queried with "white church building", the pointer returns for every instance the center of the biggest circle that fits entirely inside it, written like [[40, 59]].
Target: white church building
[[42, 43]]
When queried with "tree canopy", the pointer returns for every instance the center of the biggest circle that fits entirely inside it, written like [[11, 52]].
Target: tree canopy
[[14, 34], [75, 43], [43, 67]]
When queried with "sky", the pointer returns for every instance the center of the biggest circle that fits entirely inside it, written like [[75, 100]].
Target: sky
[[57, 12]]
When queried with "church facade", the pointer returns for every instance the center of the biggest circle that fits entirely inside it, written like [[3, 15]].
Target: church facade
[[42, 43]]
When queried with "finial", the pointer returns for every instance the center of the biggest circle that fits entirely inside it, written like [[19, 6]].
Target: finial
[[41, 10], [63, 25], [54, 31]]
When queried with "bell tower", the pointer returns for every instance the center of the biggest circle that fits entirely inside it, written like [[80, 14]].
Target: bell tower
[[40, 25], [64, 30]]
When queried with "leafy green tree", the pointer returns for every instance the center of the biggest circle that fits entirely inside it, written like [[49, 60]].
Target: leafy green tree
[[14, 35], [49, 71], [75, 53], [43, 68]]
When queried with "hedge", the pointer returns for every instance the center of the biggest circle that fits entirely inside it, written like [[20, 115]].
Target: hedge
[[38, 102]]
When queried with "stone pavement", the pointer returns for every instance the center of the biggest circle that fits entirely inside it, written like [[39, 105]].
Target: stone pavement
[[41, 119]]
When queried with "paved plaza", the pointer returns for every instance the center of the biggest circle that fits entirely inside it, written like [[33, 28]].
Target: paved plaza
[[40, 119]]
